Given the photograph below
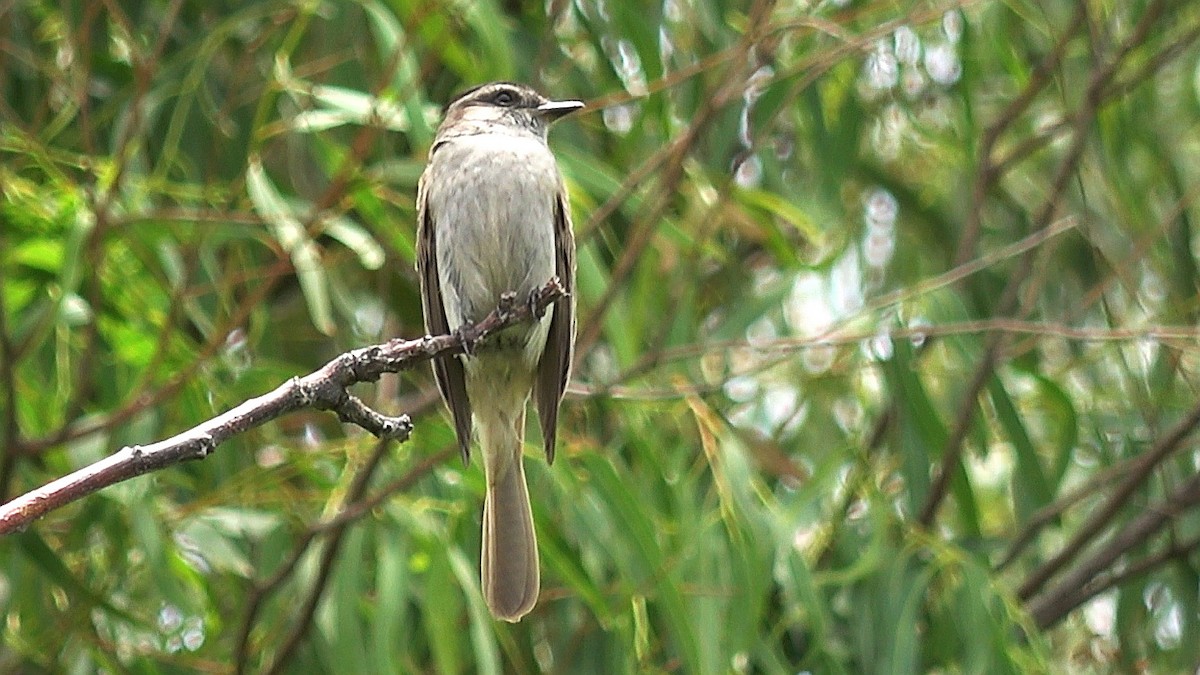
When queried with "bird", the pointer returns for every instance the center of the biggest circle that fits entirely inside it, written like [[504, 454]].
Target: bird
[[493, 217]]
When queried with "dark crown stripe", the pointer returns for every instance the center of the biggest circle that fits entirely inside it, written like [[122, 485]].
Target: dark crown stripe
[[523, 91]]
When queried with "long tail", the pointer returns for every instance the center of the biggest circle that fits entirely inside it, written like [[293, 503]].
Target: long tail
[[509, 566]]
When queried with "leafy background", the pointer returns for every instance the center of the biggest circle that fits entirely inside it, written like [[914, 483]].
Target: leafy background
[[887, 350]]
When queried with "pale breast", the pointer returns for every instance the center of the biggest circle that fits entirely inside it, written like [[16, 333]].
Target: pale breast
[[492, 199]]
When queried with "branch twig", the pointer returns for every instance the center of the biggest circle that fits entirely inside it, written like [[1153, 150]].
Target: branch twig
[[324, 389], [1103, 515], [1081, 584]]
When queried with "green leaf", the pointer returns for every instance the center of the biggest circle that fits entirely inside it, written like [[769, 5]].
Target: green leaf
[[37, 551], [291, 235], [1034, 492]]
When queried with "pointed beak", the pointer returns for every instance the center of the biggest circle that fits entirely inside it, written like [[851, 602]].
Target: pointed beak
[[554, 110]]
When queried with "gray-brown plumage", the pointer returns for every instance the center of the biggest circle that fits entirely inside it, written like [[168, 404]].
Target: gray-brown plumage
[[493, 217]]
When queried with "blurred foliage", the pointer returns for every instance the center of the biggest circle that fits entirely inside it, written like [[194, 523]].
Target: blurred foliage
[[887, 345]]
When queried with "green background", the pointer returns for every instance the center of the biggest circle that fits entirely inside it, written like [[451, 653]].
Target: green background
[[887, 352]]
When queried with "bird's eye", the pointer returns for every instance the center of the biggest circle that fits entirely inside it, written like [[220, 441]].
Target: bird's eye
[[504, 97]]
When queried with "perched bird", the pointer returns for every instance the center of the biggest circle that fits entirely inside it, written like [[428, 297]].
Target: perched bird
[[493, 217]]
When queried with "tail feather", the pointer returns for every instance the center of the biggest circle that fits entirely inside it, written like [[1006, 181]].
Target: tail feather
[[509, 566]]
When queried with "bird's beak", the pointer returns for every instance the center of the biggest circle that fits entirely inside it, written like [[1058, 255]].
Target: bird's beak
[[553, 110]]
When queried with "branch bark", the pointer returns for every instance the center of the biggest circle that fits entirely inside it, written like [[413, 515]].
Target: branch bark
[[1118, 498], [325, 389], [1081, 584]]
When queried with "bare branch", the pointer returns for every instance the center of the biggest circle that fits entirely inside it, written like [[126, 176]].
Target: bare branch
[[1103, 516], [1010, 300], [324, 389], [1081, 584]]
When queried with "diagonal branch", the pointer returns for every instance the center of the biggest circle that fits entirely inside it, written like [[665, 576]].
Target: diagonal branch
[[324, 389], [1118, 498], [334, 528], [1010, 300], [1081, 583]]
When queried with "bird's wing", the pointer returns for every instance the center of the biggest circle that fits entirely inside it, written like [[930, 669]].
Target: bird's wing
[[447, 370], [554, 369]]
